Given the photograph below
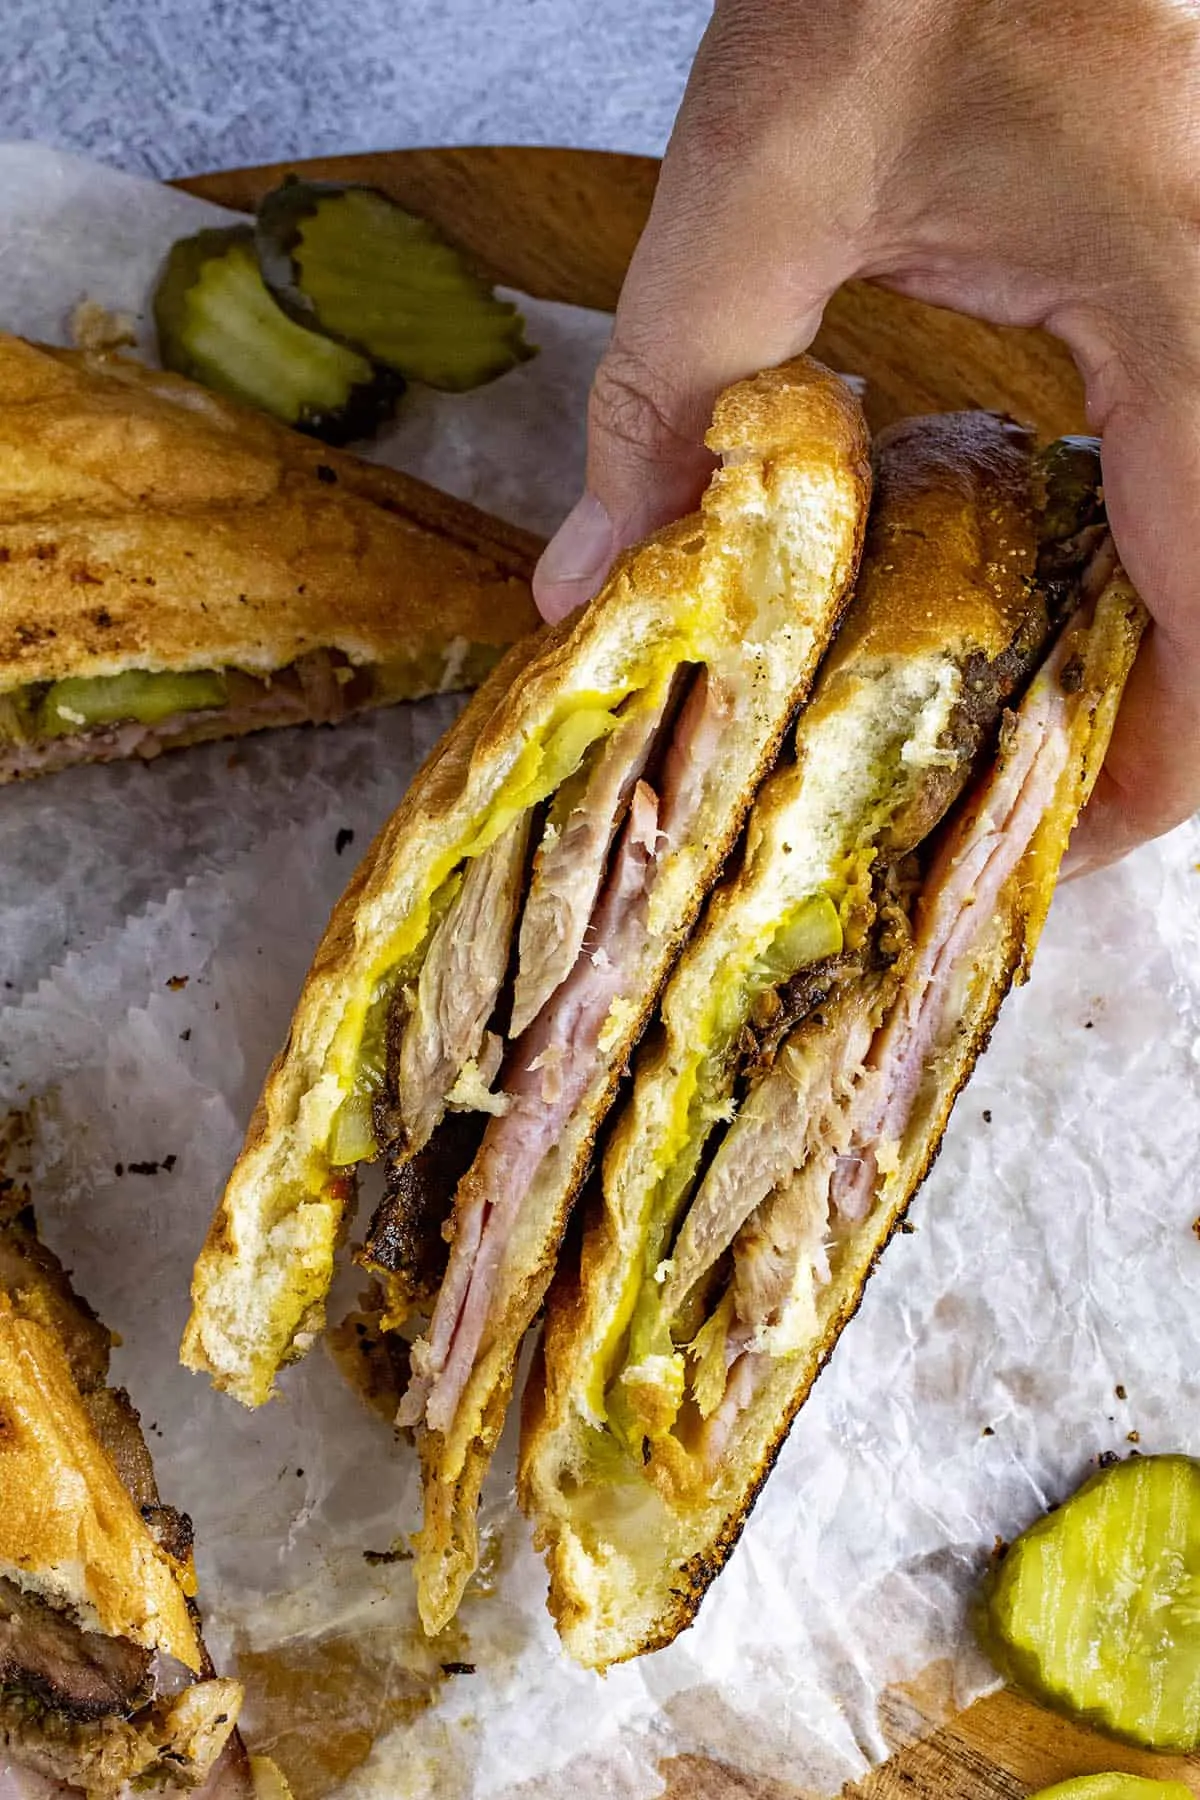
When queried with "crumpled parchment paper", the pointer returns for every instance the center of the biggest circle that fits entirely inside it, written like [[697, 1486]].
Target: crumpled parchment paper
[[155, 924]]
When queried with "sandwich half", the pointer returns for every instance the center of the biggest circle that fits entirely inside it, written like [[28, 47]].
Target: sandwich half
[[486, 975], [175, 568], [794, 1089], [104, 1678]]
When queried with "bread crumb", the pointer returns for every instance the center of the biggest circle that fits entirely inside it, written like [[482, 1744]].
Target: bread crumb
[[96, 329]]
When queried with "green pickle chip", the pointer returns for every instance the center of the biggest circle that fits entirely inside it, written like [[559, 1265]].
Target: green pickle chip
[[147, 697], [348, 261], [218, 324], [1096, 1608], [1115, 1787]]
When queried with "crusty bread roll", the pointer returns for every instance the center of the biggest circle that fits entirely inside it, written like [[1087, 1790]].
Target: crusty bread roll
[[946, 594], [750, 589], [146, 524], [104, 1678], [68, 1529]]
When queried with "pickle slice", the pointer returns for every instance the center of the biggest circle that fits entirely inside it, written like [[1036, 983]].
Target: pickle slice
[[218, 324], [350, 262], [1096, 1608], [78, 703], [1115, 1787]]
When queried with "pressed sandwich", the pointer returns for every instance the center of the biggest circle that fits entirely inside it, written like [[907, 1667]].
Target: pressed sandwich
[[485, 977], [176, 568], [795, 1086], [104, 1678]]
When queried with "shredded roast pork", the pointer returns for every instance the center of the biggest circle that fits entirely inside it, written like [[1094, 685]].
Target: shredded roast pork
[[955, 909], [515, 1145], [460, 978], [555, 1059]]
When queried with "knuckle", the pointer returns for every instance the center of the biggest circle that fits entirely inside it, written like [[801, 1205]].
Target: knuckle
[[634, 405]]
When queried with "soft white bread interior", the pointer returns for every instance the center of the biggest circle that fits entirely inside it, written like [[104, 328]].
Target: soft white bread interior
[[630, 1560], [751, 587]]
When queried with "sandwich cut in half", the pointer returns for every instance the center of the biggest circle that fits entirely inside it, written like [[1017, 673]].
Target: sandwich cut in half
[[176, 568], [485, 977], [794, 1088], [105, 1683]]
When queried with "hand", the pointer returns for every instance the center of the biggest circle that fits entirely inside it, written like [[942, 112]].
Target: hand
[[1033, 162]]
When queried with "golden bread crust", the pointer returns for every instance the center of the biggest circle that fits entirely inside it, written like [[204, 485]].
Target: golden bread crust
[[949, 557], [602, 1623], [68, 1529], [146, 523], [260, 1280]]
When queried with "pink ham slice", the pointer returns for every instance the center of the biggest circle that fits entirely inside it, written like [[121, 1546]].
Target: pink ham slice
[[956, 908], [691, 754], [568, 869], [555, 1060], [565, 1037]]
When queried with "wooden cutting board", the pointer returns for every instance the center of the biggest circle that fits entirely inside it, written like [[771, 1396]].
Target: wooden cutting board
[[562, 224]]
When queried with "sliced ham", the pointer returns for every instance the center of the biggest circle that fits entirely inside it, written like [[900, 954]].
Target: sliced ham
[[460, 979], [691, 754], [956, 908], [555, 1059], [515, 1145], [570, 863]]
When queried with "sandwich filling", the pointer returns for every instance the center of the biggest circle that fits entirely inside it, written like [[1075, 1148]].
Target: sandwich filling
[[524, 985], [78, 1704], [834, 969], [46, 726]]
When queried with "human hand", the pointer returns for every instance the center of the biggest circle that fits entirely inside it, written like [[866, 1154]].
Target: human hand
[[1033, 162]]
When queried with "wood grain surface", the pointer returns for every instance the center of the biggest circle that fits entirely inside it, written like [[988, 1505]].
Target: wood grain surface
[[562, 224]]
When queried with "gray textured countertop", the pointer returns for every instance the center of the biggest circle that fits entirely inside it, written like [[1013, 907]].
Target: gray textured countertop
[[177, 86]]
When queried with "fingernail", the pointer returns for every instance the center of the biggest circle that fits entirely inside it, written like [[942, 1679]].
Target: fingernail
[[576, 559]]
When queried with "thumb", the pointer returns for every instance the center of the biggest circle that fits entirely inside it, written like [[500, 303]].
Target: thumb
[[729, 277]]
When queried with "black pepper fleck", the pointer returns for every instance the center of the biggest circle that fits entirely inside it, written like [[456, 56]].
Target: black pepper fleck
[[1119, 1390], [987, 1115], [344, 837], [326, 474]]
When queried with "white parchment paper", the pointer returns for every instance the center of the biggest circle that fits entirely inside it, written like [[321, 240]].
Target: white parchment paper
[[1054, 1259]]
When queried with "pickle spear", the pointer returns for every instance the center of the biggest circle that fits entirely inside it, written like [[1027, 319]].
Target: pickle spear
[[1096, 1608], [349, 262], [1115, 1787], [218, 324]]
